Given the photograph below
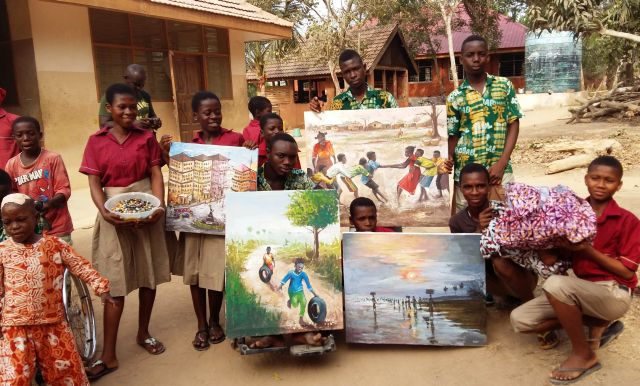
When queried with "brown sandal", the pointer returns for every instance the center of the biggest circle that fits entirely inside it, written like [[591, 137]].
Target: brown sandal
[[201, 340]]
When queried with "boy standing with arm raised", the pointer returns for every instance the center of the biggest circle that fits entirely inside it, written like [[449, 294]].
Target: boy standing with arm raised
[[482, 119]]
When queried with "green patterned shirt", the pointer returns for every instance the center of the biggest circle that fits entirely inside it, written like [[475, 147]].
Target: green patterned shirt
[[297, 180], [480, 121], [373, 99]]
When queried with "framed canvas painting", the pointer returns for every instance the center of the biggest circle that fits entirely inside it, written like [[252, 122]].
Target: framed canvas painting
[[393, 156], [283, 263], [200, 176], [414, 289]]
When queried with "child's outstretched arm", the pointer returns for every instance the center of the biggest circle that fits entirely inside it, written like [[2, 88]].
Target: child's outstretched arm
[[83, 270]]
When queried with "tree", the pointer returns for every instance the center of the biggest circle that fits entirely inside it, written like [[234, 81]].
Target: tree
[[315, 210], [617, 18], [258, 54], [484, 20], [328, 35]]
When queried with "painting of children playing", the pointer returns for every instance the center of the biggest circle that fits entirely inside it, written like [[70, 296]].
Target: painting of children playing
[[399, 172], [283, 263]]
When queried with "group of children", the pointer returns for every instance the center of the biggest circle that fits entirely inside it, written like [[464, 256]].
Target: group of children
[[141, 255], [422, 172]]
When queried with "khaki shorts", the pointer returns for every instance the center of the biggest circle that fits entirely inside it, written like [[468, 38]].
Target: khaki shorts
[[461, 203], [600, 299]]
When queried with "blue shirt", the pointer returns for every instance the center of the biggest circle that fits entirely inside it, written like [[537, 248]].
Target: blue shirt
[[371, 166], [295, 279]]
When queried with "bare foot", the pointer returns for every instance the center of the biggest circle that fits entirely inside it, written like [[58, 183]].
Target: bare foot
[[266, 341], [310, 338], [574, 362]]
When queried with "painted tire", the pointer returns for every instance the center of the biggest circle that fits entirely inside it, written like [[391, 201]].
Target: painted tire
[[265, 274], [317, 309]]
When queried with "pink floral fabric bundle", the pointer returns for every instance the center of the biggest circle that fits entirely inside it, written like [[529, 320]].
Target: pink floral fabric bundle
[[534, 218]]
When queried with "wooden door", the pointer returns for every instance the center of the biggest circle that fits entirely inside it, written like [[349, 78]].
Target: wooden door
[[188, 76]]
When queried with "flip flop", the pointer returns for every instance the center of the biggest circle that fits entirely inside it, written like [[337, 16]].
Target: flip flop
[[105, 370], [153, 346], [548, 340], [611, 333], [583, 374]]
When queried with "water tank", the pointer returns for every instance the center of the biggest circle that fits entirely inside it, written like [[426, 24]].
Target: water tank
[[553, 62]]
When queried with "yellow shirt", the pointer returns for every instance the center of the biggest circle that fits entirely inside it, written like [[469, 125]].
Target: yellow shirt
[[319, 177], [429, 168]]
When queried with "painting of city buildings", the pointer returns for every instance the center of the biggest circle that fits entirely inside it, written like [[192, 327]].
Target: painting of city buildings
[[414, 289], [199, 178], [393, 156]]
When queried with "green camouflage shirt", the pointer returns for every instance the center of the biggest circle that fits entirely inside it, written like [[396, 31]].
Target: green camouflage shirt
[[373, 99], [480, 121], [297, 180]]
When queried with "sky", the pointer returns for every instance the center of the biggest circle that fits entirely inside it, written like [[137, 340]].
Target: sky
[[266, 210], [237, 155], [400, 264]]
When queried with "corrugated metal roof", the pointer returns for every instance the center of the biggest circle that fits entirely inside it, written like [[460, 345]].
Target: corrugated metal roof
[[236, 8], [373, 39], [513, 34]]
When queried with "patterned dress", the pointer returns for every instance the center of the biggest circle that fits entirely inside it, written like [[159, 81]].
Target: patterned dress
[[480, 120], [33, 320], [410, 181]]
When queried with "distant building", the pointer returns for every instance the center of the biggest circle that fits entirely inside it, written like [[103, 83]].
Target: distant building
[[506, 60], [244, 179], [291, 83], [202, 178]]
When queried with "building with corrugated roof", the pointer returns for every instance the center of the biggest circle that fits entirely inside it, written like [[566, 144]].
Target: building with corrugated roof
[[506, 60], [59, 56], [291, 83]]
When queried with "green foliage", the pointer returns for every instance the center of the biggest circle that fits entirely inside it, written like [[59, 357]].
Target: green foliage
[[586, 17], [312, 208], [330, 265], [244, 306], [237, 253]]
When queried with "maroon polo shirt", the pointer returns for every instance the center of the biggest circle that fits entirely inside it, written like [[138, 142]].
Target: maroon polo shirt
[[618, 236], [383, 229], [8, 146], [252, 131], [226, 138], [121, 164]]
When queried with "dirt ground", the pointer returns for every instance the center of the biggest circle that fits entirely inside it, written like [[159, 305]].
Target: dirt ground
[[276, 300], [508, 359]]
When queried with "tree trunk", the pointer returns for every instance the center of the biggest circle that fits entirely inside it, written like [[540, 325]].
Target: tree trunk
[[447, 15], [334, 77], [434, 122], [438, 74], [316, 244]]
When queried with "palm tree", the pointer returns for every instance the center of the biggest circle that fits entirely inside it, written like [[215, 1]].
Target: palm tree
[[259, 53]]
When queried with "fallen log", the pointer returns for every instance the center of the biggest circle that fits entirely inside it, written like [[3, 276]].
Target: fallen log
[[572, 162], [599, 146]]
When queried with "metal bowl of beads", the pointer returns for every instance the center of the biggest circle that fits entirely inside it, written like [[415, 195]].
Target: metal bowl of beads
[[132, 206]]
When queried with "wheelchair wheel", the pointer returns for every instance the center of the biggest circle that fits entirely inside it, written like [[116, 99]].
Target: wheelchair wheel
[[79, 313]]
